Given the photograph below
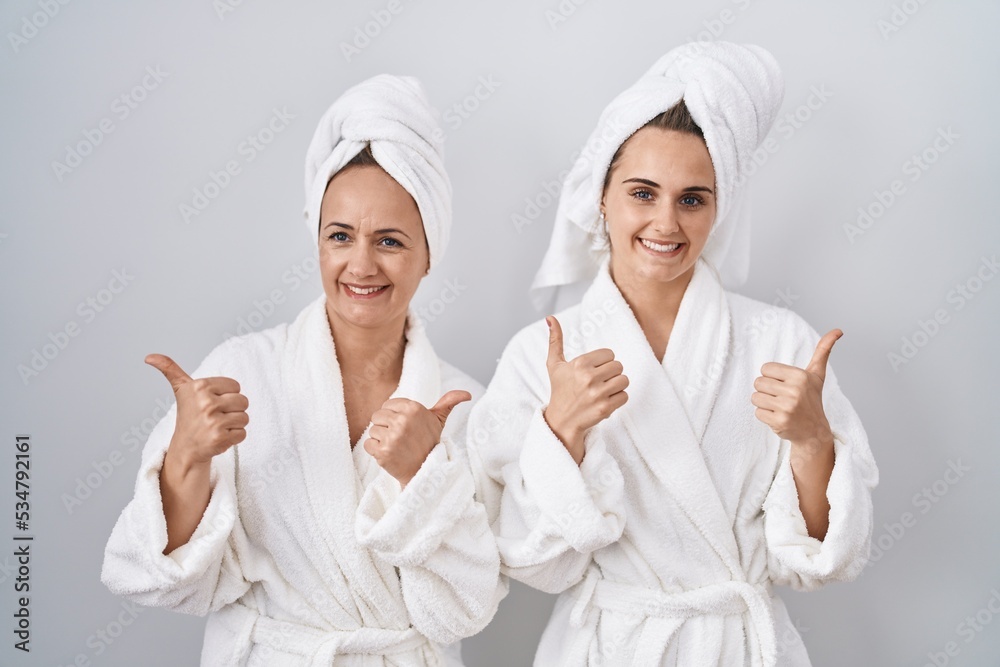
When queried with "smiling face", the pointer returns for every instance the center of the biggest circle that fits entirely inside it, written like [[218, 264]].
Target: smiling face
[[660, 192], [372, 250]]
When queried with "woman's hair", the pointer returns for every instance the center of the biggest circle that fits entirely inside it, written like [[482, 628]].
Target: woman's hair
[[366, 159], [676, 118], [362, 159]]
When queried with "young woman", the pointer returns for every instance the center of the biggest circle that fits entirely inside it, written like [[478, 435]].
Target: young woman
[[664, 451], [300, 492]]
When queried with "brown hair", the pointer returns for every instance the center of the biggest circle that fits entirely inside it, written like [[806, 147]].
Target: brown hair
[[362, 159], [676, 118]]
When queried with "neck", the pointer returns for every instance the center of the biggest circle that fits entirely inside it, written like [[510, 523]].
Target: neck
[[369, 355], [654, 303]]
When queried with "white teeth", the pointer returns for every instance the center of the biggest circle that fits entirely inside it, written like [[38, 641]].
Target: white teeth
[[660, 248], [366, 290]]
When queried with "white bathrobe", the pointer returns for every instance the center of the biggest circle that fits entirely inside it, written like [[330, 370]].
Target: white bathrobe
[[308, 553], [665, 542]]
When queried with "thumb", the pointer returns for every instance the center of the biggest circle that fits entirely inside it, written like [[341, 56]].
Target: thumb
[[175, 374], [447, 403], [555, 341], [821, 356]]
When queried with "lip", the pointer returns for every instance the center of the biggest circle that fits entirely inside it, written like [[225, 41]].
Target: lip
[[656, 253], [364, 297]]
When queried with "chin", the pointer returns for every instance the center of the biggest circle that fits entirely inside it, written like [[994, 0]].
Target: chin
[[355, 315], [660, 274], [655, 272]]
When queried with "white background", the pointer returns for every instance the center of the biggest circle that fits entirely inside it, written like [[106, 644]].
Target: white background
[[891, 89]]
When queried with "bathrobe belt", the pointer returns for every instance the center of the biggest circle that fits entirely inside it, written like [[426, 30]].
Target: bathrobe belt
[[321, 646], [665, 612]]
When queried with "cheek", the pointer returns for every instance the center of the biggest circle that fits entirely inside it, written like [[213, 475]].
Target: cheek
[[697, 226], [621, 215], [326, 261], [404, 271], [704, 228], [331, 265], [627, 224]]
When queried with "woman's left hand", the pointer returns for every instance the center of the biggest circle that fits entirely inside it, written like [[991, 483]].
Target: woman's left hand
[[790, 399], [403, 433]]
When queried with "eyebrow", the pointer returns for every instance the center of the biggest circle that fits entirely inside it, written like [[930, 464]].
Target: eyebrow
[[654, 184], [387, 230]]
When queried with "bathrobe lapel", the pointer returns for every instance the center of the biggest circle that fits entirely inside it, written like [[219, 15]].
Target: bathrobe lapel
[[318, 423], [420, 381], [670, 404]]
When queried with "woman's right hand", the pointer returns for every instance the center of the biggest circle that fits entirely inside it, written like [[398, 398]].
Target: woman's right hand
[[211, 413], [585, 391], [211, 418]]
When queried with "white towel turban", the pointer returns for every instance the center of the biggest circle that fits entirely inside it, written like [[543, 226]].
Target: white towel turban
[[733, 92], [393, 115]]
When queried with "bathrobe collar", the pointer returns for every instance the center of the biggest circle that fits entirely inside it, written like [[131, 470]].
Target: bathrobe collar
[[320, 433], [670, 403]]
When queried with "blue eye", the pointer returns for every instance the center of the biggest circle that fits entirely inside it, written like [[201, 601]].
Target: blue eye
[[691, 200], [648, 195], [338, 236], [391, 242]]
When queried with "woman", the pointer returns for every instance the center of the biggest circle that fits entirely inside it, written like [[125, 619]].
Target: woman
[[258, 506], [662, 452]]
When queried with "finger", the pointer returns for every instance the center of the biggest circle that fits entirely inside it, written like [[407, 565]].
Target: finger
[[378, 433], [236, 436], [821, 356], [609, 370], [382, 417], [778, 371], [766, 401], [617, 400], [555, 342], [596, 358], [447, 403], [171, 370], [615, 385], [766, 385], [235, 419], [221, 386], [233, 403], [765, 416], [399, 404]]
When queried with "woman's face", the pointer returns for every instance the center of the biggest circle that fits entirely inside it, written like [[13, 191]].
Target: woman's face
[[660, 193], [372, 251]]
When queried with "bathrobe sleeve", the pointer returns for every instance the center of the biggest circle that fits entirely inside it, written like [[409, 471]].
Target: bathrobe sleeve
[[549, 515], [200, 576], [436, 533], [794, 558]]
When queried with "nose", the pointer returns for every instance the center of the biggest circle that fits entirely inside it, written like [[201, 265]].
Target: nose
[[361, 263], [665, 220]]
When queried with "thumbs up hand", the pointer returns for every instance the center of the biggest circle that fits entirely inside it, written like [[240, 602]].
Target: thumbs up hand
[[403, 433], [211, 413], [790, 399], [584, 391]]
